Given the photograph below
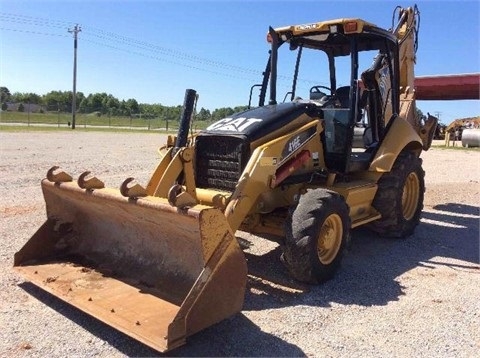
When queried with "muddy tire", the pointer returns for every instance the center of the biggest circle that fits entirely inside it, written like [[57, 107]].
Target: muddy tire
[[399, 197], [317, 231]]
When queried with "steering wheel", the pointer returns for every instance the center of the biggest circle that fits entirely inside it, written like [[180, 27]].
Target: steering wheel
[[316, 89]]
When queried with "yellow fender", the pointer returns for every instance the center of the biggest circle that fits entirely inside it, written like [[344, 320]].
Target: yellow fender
[[400, 136]]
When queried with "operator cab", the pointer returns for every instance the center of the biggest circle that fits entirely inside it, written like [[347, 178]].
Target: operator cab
[[332, 68]]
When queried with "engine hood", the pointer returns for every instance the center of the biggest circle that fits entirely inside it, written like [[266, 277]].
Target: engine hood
[[257, 122]]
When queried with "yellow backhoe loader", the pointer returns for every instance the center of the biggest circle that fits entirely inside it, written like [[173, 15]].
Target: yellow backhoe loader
[[160, 262]]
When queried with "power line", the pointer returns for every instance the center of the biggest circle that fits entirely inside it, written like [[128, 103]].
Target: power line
[[146, 49], [168, 59], [33, 32], [106, 35], [149, 47], [11, 16], [30, 22], [170, 52]]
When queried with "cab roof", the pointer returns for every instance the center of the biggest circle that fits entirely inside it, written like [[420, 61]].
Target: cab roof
[[334, 36]]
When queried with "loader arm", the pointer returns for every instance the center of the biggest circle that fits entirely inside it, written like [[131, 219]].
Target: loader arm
[[265, 169]]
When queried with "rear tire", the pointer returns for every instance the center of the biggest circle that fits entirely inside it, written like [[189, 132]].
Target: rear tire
[[399, 197], [317, 231]]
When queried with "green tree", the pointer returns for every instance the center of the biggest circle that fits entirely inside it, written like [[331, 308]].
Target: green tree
[[239, 109], [122, 109], [104, 103], [83, 106], [80, 98], [17, 97], [35, 98], [4, 106], [223, 112], [4, 94], [21, 107], [176, 112], [112, 105], [58, 100], [132, 106], [147, 111], [52, 101], [32, 98], [204, 114], [95, 102]]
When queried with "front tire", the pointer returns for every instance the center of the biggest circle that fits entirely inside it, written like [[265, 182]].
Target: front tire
[[317, 231], [399, 197]]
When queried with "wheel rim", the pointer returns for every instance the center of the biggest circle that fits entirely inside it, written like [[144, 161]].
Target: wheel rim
[[329, 239], [411, 193]]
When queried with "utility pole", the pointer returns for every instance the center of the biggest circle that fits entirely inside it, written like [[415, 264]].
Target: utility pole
[[75, 32]]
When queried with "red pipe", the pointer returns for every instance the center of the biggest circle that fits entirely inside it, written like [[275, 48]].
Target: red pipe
[[448, 87]]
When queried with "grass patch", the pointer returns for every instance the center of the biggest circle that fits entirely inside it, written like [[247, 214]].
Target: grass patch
[[18, 121], [25, 128], [43, 128], [457, 147]]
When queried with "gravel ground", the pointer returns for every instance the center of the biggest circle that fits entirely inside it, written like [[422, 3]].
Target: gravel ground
[[414, 297]]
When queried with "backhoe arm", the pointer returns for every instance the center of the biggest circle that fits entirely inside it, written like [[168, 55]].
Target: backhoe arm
[[406, 31]]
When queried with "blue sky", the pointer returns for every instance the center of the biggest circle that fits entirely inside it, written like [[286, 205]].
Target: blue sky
[[153, 50]]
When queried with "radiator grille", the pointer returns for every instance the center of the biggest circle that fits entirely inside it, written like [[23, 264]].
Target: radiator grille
[[220, 161]]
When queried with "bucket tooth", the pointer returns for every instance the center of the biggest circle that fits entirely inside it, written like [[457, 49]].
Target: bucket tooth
[[178, 197], [90, 183], [135, 191], [57, 175]]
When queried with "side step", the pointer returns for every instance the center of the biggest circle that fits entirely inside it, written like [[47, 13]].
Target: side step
[[359, 197], [365, 220]]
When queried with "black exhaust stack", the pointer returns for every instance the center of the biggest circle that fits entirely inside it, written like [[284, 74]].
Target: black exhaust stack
[[187, 110]]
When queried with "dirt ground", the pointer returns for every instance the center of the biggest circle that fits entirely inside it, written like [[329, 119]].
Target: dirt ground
[[413, 297]]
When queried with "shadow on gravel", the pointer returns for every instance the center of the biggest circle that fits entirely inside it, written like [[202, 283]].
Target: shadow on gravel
[[372, 265], [236, 336], [459, 209]]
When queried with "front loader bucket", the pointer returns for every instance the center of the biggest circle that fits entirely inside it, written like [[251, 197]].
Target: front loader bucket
[[152, 271]]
